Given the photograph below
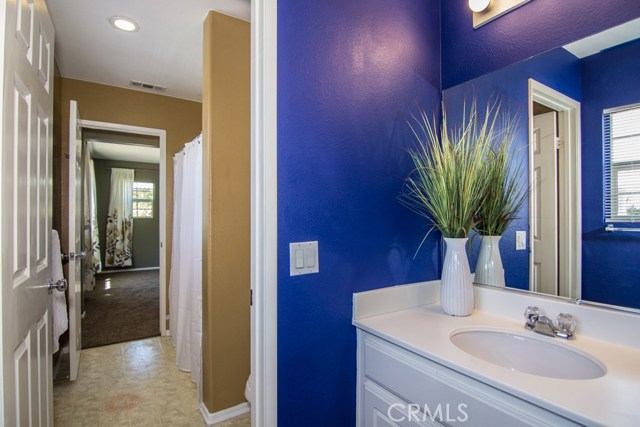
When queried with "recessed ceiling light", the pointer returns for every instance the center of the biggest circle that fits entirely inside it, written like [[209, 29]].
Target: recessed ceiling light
[[124, 24]]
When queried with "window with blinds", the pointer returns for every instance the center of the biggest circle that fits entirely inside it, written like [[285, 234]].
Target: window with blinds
[[143, 199], [622, 164]]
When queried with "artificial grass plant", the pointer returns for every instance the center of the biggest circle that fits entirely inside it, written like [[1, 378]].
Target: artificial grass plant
[[461, 178]]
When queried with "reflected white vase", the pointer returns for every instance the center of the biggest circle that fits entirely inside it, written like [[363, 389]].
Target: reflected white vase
[[456, 289], [489, 269]]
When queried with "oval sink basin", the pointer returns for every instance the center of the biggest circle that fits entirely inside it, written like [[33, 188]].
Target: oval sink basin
[[528, 354]]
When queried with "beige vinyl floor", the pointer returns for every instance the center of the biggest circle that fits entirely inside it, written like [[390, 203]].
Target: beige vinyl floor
[[129, 385]]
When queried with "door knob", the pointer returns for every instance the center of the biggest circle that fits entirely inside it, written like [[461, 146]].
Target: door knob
[[60, 285]]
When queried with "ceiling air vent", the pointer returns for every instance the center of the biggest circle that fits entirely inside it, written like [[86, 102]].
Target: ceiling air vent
[[148, 86]]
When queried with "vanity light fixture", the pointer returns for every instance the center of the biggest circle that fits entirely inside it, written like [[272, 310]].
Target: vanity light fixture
[[478, 6], [487, 10], [124, 24]]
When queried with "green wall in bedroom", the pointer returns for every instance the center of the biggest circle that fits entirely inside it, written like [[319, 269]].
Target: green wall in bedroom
[[146, 234]]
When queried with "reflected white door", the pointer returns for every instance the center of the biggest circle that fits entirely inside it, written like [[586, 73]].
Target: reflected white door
[[26, 388], [74, 244], [544, 201]]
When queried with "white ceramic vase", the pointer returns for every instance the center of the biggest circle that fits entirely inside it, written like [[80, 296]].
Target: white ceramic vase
[[489, 270], [456, 289]]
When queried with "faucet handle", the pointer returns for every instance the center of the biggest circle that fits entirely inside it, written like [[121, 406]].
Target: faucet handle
[[531, 312], [566, 322]]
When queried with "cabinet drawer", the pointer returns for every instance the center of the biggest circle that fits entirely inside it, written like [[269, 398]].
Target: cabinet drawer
[[437, 388], [383, 409]]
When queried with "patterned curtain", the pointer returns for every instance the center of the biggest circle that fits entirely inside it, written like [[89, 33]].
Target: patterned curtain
[[120, 219], [92, 263]]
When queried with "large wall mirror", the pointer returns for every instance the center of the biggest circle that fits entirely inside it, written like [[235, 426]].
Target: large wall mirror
[[578, 136]]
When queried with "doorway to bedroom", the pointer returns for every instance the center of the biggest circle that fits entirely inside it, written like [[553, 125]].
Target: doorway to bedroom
[[121, 286]]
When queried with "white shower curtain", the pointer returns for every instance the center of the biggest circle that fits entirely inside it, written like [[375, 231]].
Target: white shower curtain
[[92, 263], [120, 219], [185, 287]]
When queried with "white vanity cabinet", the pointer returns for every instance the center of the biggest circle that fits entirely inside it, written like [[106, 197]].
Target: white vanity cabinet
[[397, 387]]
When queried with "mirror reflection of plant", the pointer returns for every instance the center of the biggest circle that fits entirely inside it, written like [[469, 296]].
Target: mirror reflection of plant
[[504, 195], [448, 183]]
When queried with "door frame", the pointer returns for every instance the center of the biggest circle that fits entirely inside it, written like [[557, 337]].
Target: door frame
[[569, 180], [264, 213], [161, 134]]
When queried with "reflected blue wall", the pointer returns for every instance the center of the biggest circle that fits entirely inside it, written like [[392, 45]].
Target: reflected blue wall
[[610, 261], [534, 28], [557, 69], [349, 72]]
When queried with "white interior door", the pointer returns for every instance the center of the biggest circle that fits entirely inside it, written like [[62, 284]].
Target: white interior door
[[75, 239], [26, 50], [544, 200]]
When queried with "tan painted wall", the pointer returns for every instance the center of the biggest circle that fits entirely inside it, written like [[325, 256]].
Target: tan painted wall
[[181, 119], [226, 99]]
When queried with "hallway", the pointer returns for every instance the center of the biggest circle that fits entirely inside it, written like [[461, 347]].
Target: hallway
[[133, 384]]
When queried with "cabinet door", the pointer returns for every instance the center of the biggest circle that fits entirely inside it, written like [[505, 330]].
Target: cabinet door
[[383, 409]]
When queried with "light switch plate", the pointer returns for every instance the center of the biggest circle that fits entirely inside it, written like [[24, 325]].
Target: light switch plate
[[521, 240], [303, 258]]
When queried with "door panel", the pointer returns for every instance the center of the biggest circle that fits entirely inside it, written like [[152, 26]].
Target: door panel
[[23, 30], [44, 372], [25, 215], [43, 202], [544, 198], [21, 142], [21, 358], [44, 61]]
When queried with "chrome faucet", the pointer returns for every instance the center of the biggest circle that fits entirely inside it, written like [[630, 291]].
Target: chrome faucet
[[536, 321]]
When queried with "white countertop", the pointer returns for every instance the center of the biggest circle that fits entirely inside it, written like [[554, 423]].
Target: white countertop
[[611, 400]]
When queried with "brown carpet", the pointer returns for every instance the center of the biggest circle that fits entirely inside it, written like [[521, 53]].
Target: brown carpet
[[122, 307]]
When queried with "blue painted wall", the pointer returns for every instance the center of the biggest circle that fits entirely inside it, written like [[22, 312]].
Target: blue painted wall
[[534, 28], [610, 262], [348, 74], [557, 69]]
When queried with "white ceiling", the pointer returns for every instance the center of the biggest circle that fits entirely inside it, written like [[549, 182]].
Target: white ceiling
[[123, 152], [605, 39], [166, 51]]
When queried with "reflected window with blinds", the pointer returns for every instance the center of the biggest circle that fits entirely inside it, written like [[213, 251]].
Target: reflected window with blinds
[[622, 164], [143, 199]]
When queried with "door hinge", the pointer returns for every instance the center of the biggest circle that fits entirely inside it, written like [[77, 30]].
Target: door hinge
[[559, 143], [251, 298]]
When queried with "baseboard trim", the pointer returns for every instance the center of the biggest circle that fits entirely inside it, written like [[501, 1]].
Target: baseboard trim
[[223, 415], [128, 270]]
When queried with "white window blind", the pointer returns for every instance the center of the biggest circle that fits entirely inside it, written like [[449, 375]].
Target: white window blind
[[622, 164]]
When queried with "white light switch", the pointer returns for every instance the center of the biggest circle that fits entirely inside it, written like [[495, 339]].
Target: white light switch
[[299, 259], [309, 257], [303, 258], [521, 240]]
